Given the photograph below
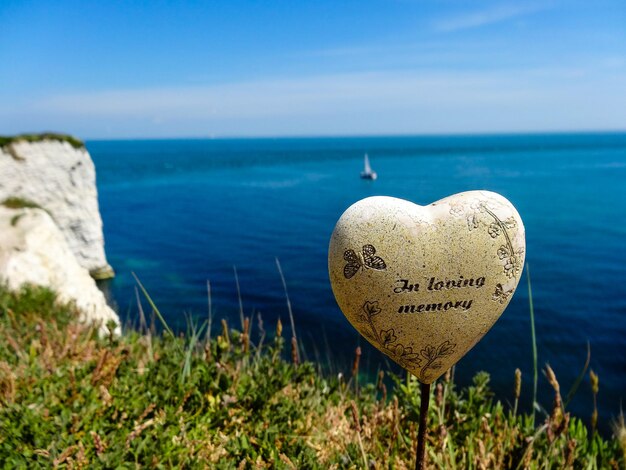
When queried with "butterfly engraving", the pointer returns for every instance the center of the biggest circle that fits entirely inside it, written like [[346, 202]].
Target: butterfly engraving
[[367, 259]]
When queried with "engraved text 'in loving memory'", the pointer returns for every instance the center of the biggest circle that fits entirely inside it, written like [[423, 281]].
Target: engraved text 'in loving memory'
[[433, 285]]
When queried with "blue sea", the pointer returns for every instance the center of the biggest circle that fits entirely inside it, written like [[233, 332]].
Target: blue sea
[[181, 212]]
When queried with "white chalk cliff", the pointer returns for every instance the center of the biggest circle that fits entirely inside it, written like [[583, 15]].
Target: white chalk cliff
[[61, 179], [34, 251]]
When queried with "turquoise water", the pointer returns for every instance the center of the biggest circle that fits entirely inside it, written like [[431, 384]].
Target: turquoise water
[[180, 212]]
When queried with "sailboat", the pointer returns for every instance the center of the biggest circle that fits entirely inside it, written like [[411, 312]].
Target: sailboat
[[368, 173]]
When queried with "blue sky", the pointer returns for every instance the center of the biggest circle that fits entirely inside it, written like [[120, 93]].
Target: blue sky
[[269, 68]]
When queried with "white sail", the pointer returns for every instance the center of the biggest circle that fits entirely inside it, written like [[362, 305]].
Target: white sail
[[368, 168], [367, 172]]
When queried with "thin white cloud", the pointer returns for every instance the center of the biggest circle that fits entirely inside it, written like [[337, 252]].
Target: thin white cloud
[[313, 95], [356, 103], [488, 16]]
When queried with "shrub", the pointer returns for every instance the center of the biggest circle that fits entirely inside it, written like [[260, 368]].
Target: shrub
[[73, 141], [69, 398]]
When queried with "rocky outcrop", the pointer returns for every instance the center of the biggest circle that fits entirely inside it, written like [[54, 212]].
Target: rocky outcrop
[[33, 250], [60, 177]]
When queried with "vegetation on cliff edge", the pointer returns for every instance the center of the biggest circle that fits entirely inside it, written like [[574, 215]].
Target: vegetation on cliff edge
[[73, 141], [73, 400]]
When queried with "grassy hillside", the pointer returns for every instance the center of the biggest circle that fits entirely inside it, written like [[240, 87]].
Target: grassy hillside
[[70, 399], [73, 141]]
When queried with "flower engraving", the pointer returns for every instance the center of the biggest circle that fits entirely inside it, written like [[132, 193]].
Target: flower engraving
[[405, 355], [480, 206], [511, 260], [386, 340], [494, 230], [510, 222], [369, 310], [512, 267], [456, 209]]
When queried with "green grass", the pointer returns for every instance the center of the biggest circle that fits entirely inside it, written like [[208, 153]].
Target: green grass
[[73, 141], [19, 203], [73, 400]]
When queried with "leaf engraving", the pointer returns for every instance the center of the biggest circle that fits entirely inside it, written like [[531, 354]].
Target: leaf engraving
[[433, 355]]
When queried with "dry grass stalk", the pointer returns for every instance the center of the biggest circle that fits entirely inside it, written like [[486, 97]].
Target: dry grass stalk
[[517, 389], [108, 363], [7, 383], [357, 425], [355, 362], [261, 330], [295, 356], [245, 336], [137, 431], [210, 311], [558, 420], [382, 387], [355, 368], [146, 412], [619, 430], [279, 329], [595, 387], [439, 395], [64, 457], [570, 453], [225, 334], [98, 443], [295, 359], [105, 396]]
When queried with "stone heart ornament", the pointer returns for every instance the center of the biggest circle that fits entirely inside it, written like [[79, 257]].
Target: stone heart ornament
[[424, 284]]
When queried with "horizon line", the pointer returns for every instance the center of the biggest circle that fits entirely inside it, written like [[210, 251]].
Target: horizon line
[[361, 136]]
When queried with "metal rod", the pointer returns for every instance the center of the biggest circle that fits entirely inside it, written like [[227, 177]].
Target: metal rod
[[421, 432]]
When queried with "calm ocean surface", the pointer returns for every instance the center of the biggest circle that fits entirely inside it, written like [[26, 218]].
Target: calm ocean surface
[[181, 212]]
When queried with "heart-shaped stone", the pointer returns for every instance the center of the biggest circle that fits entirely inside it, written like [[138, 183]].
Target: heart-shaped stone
[[424, 284]]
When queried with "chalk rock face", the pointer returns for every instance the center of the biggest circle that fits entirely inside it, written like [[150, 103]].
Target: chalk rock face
[[34, 251], [424, 284], [62, 180]]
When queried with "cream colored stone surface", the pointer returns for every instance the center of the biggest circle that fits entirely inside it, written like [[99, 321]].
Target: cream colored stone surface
[[62, 180], [424, 284], [34, 251]]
